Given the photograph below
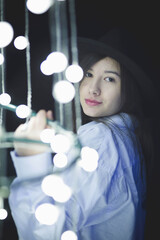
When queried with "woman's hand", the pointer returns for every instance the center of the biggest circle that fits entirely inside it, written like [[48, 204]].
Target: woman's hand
[[32, 131]]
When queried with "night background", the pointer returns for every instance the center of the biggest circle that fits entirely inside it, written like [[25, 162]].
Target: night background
[[93, 19]]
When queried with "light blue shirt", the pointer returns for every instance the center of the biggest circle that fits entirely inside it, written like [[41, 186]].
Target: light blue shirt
[[107, 204]]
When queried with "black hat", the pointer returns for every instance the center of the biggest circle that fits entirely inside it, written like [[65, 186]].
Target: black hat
[[122, 46]]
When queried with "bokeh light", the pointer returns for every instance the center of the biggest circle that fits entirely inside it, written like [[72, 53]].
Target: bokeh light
[[60, 160], [58, 61], [20, 42], [63, 91], [89, 159], [39, 6], [46, 68], [3, 214], [47, 135], [23, 111], [1, 59], [69, 235], [47, 213], [74, 73], [6, 34], [54, 186], [5, 99], [60, 143]]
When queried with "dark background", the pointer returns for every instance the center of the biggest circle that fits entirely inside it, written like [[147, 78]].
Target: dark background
[[93, 19]]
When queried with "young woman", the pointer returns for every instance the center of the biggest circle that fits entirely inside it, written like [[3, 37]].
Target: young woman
[[109, 203]]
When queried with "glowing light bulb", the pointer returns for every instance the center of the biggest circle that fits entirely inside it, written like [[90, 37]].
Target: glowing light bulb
[[5, 98], [46, 68], [3, 214], [47, 213], [60, 160], [60, 143], [1, 59], [89, 159], [21, 42], [69, 235], [74, 73], [63, 91], [47, 135], [23, 111], [39, 6], [57, 61], [6, 34], [55, 187]]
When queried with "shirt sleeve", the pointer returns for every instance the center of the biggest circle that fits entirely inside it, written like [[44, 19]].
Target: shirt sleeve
[[92, 192]]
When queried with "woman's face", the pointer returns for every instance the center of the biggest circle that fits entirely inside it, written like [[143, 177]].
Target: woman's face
[[100, 90]]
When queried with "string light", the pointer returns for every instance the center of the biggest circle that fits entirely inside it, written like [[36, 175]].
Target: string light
[[74, 73], [20, 42], [39, 6], [3, 214], [63, 91], [69, 235], [5, 98], [23, 111], [6, 33], [47, 213], [1, 59], [60, 160], [60, 143], [89, 159], [54, 186], [47, 135]]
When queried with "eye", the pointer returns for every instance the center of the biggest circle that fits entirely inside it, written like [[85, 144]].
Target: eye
[[109, 79], [88, 74]]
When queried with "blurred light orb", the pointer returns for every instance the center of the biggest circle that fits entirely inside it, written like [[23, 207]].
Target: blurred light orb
[[63, 91], [69, 235], [5, 99], [6, 34], [23, 111], [47, 135], [60, 160], [46, 68], [74, 73], [89, 159], [54, 186], [1, 59], [3, 214], [20, 42], [39, 6], [60, 143], [58, 61], [47, 213]]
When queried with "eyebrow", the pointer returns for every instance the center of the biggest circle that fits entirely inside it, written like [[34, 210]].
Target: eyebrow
[[108, 71], [113, 73]]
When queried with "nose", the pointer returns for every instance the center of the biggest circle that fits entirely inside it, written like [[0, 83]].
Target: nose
[[94, 88]]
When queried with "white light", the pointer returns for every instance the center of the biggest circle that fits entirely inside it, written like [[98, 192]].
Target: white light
[[1, 59], [6, 34], [63, 91], [5, 99], [60, 160], [23, 111], [69, 235], [89, 158], [20, 42], [46, 68], [74, 73], [57, 61], [47, 135], [60, 143], [3, 214], [54, 186], [39, 6], [47, 213]]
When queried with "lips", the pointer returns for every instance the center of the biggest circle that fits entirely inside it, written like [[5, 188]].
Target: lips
[[91, 102]]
